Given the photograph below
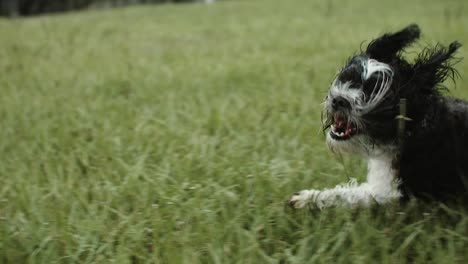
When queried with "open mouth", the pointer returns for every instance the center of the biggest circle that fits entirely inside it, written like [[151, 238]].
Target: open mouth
[[341, 128]]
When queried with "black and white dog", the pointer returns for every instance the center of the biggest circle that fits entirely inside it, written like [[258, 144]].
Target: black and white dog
[[420, 153]]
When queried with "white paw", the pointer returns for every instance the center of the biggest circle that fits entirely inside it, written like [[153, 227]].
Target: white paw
[[302, 198]]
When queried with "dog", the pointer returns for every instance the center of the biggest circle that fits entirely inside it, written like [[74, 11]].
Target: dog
[[393, 113]]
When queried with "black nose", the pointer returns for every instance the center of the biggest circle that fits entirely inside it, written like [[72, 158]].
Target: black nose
[[340, 103]]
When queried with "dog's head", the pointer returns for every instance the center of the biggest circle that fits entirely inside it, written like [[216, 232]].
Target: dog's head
[[362, 104]]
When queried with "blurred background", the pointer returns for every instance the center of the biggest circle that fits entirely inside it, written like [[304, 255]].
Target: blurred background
[[14, 8]]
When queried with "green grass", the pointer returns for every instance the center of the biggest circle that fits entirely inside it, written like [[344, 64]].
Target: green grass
[[175, 133]]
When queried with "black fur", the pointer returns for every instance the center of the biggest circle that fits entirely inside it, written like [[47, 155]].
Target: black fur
[[432, 156], [386, 47]]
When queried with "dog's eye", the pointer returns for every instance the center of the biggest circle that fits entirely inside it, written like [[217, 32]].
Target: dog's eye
[[354, 86], [370, 84]]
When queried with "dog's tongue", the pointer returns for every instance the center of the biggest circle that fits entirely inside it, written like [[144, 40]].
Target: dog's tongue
[[341, 123]]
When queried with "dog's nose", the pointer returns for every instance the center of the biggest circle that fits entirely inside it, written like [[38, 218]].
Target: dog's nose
[[340, 103]]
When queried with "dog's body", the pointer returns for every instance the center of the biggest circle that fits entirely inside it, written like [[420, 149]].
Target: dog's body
[[422, 152]]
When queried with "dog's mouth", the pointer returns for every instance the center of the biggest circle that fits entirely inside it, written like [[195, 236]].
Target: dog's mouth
[[342, 128]]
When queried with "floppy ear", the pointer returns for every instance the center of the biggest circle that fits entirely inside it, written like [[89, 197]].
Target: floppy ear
[[386, 47]]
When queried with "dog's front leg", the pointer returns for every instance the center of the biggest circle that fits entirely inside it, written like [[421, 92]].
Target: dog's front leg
[[348, 195], [381, 187]]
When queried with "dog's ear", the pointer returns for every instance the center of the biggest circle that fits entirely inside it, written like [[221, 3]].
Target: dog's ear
[[386, 47], [434, 65]]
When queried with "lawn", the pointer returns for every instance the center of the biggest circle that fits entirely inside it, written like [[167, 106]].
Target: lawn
[[175, 133]]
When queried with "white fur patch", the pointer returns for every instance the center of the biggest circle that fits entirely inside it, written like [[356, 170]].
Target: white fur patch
[[372, 66], [379, 92], [343, 89], [381, 187]]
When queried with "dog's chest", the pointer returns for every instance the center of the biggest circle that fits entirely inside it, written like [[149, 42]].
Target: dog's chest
[[382, 178]]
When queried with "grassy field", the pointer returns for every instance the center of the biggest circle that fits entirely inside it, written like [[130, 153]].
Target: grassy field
[[175, 134]]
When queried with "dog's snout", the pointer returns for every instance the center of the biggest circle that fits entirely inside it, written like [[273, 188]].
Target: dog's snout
[[340, 103]]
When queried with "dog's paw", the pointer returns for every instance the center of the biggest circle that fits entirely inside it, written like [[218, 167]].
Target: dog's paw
[[302, 198]]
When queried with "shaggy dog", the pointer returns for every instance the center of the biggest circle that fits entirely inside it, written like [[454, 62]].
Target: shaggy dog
[[392, 112]]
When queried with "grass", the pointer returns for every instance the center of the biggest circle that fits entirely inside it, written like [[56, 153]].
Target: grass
[[175, 133]]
